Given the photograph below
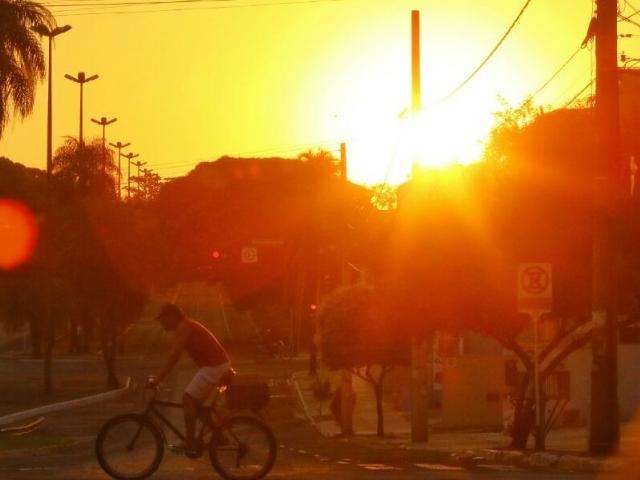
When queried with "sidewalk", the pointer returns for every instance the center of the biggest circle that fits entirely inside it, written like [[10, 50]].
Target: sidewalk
[[565, 447]]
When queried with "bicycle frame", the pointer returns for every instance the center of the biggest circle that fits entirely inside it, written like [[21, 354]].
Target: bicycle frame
[[204, 414]]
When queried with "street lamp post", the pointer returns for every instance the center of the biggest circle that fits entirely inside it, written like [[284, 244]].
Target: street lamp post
[[50, 34], [81, 79], [49, 333], [104, 122], [138, 164], [129, 156], [119, 146]]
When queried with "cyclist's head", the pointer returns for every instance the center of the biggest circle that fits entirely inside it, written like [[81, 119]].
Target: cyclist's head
[[170, 316]]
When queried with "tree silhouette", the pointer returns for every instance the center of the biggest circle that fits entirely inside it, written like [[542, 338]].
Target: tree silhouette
[[84, 169], [360, 333], [22, 62]]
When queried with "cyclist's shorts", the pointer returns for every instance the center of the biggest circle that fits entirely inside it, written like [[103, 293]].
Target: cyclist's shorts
[[205, 380]]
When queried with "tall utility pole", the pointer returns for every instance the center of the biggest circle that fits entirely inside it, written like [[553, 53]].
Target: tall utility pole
[[416, 89], [347, 397], [119, 146], [129, 156], [420, 348], [49, 332], [81, 79], [604, 432]]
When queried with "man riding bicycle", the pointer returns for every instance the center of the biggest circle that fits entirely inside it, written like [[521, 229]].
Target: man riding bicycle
[[205, 350]]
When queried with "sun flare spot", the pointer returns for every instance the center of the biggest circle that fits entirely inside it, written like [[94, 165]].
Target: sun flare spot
[[18, 234]]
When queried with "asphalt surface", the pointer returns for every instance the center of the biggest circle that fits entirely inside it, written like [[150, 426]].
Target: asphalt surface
[[303, 453]]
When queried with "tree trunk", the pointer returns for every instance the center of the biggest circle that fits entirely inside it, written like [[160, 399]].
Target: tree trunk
[[313, 349], [107, 343], [87, 332], [378, 389], [346, 403], [421, 352], [74, 346], [119, 341], [541, 431], [522, 424], [49, 340], [35, 331]]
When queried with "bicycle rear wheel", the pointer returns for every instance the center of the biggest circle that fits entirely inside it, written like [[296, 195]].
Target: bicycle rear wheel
[[129, 447], [244, 449]]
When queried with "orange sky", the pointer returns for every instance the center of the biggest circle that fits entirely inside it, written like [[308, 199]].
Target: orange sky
[[193, 85]]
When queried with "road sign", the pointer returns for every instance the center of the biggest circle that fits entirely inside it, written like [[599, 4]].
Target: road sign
[[249, 255], [535, 286], [535, 296]]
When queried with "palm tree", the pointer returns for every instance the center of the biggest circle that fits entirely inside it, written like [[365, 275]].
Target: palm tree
[[22, 62], [322, 161], [86, 168]]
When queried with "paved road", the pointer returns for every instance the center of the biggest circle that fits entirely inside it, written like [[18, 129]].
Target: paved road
[[303, 454]]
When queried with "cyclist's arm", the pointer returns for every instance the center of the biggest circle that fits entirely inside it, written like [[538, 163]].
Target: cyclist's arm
[[179, 343]]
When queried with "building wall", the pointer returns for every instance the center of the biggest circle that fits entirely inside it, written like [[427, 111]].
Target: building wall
[[579, 364], [472, 390]]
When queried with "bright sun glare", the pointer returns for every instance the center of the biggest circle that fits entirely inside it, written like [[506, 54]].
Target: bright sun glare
[[452, 133], [442, 136]]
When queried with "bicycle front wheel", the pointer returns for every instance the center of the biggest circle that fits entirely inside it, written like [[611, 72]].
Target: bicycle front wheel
[[244, 449], [129, 447]]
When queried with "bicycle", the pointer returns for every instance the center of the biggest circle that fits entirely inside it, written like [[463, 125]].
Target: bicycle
[[241, 447]]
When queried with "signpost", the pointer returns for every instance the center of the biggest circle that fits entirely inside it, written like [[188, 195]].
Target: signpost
[[535, 296]]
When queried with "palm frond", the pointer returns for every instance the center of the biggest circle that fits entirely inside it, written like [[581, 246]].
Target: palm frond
[[22, 61]]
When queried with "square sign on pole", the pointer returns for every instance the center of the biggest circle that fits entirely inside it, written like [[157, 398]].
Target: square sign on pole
[[249, 255], [535, 297], [535, 287]]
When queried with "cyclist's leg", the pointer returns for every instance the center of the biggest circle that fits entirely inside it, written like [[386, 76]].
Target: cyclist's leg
[[190, 406], [195, 394]]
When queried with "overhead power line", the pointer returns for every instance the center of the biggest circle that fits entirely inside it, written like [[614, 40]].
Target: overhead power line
[[177, 3], [636, 11], [578, 95], [628, 19], [462, 84], [557, 72], [86, 3]]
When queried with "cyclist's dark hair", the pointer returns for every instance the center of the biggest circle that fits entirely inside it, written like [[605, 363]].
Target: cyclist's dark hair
[[170, 314]]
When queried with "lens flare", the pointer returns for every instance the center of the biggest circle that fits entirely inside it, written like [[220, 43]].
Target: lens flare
[[18, 234]]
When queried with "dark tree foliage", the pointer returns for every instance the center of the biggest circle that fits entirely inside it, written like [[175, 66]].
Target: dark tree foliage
[[457, 237], [292, 211], [22, 62], [359, 331]]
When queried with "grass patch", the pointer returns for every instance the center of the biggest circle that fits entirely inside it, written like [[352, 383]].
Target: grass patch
[[32, 441]]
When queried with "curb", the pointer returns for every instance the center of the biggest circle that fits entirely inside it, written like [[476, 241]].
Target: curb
[[515, 458], [539, 461], [69, 404]]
